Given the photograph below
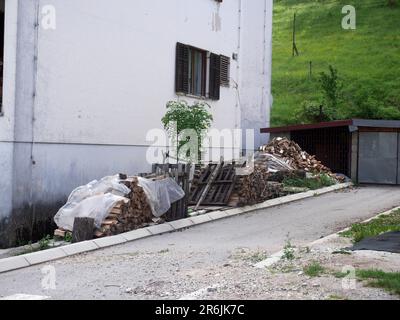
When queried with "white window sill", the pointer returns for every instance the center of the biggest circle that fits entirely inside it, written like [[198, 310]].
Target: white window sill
[[191, 96]]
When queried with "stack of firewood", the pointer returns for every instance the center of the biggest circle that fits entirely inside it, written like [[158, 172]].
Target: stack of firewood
[[129, 214], [291, 153], [255, 187]]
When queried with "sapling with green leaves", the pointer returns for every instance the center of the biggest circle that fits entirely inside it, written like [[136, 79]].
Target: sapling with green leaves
[[187, 126]]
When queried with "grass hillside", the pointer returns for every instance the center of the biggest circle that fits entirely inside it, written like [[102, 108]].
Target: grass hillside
[[367, 59]]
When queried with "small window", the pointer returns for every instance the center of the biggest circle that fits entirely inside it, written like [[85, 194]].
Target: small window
[[195, 68]]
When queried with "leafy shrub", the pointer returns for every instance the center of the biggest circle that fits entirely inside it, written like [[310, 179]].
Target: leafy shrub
[[314, 183], [181, 116]]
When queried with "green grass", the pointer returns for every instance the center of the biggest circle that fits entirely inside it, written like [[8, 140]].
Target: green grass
[[389, 281], [312, 183], [366, 58], [382, 224], [314, 269]]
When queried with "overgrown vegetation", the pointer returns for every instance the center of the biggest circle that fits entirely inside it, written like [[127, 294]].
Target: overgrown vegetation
[[354, 73], [314, 269], [43, 244], [288, 250], [314, 183], [68, 237], [389, 281], [382, 224], [187, 124]]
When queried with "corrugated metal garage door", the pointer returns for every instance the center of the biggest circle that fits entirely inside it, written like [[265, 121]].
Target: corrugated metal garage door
[[379, 157]]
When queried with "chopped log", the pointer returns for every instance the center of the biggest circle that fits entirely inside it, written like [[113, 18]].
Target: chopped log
[[116, 211], [60, 233], [127, 215], [83, 229]]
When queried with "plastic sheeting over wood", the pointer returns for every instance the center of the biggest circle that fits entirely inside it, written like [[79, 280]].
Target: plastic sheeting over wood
[[98, 198]]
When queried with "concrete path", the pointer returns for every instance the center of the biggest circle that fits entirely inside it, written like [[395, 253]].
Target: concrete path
[[189, 263]]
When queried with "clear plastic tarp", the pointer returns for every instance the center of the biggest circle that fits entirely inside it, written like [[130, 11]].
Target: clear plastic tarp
[[94, 200], [161, 194]]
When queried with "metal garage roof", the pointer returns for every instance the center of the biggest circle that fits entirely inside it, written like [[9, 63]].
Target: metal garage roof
[[354, 123]]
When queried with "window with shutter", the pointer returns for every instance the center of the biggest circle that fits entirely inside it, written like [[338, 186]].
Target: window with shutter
[[191, 70], [215, 76], [225, 71]]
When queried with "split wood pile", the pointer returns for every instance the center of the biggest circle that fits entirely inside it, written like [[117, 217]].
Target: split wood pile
[[129, 214], [291, 153], [255, 188]]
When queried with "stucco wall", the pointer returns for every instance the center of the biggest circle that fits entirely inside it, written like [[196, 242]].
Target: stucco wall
[[8, 109], [101, 81], [117, 62], [255, 66]]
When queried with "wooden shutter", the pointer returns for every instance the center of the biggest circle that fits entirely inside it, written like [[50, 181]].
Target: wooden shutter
[[225, 71], [182, 69], [215, 76]]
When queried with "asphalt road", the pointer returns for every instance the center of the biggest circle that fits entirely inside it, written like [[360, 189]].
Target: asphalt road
[[182, 264]]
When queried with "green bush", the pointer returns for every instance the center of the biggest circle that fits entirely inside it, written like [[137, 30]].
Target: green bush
[[314, 183]]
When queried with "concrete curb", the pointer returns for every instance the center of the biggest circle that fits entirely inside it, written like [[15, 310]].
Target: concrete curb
[[27, 260], [274, 258]]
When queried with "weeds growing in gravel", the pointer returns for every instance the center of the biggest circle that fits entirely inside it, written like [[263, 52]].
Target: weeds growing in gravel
[[288, 250], [43, 244], [314, 269], [375, 227], [389, 281]]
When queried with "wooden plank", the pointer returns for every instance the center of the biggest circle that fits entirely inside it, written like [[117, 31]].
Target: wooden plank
[[207, 187]]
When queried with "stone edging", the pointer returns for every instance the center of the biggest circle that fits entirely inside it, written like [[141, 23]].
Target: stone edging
[[274, 258], [27, 260]]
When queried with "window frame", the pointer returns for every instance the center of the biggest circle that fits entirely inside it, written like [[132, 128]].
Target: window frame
[[204, 74], [215, 72]]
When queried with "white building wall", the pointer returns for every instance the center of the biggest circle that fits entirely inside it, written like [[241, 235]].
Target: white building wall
[[8, 108], [101, 81], [117, 62]]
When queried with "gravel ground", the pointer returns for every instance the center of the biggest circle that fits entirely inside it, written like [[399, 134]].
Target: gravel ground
[[215, 260]]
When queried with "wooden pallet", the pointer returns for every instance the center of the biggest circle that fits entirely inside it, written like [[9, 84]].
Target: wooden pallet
[[218, 186], [180, 173]]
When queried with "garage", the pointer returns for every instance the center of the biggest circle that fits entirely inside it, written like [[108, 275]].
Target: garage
[[379, 157], [367, 151]]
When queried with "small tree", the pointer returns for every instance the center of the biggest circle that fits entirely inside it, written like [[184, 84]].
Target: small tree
[[331, 88], [326, 107], [181, 118]]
